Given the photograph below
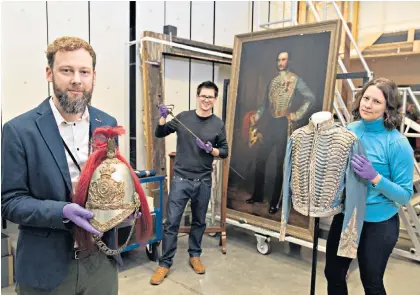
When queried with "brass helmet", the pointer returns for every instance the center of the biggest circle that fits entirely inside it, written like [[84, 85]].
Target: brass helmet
[[113, 189]]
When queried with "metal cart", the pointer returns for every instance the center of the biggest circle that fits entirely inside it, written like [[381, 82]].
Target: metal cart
[[152, 247]]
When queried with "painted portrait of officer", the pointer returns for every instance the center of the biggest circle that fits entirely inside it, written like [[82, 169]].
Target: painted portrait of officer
[[282, 109], [281, 83]]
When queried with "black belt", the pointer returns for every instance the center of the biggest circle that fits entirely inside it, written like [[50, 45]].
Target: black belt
[[193, 179], [78, 254]]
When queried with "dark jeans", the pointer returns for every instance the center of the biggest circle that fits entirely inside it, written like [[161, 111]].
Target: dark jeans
[[92, 274], [377, 241], [182, 190], [274, 138]]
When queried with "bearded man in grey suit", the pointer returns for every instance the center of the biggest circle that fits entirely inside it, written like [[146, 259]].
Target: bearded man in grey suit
[[43, 151]]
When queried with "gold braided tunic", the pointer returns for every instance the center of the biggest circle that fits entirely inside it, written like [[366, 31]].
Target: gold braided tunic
[[317, 168], [280, 101], [281, 91]]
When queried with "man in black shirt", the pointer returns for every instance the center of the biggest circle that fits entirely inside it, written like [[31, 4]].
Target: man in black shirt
[[192, 174]]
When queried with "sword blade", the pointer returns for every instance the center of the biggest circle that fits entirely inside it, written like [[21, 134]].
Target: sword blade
[[176, 119], [237, 173]]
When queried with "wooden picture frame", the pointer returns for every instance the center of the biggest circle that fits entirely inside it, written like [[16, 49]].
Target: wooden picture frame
[[261, 42], [152, 55]]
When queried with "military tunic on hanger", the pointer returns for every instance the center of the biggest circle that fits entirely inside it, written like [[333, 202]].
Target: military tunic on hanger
[[317, 169]]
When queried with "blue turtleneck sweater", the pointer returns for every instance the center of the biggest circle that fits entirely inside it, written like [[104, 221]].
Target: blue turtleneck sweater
[[392, 157]]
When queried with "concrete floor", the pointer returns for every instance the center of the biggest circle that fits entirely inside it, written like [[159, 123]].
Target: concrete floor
[[244, 271]]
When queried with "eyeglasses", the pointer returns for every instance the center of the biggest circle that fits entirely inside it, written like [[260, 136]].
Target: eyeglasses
[[203, 97]]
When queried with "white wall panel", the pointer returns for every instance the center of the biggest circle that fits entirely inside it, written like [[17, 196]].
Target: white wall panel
[[68, 19], [176, 93], [387, 17], [178, 15], [109, 35], [232, 18], [23, 61], [221, 72], [260, 14], [200, 71], [281, 10], [176, 86], [202, 21], [407, 16], [150, 16]]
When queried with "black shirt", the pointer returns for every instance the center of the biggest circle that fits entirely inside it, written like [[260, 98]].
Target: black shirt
[[191, 161]]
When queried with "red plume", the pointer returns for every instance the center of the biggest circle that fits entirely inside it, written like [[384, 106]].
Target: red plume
[[246, 123], [100, 136]]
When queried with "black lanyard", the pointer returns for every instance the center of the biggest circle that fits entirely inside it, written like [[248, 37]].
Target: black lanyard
[[71, 154]]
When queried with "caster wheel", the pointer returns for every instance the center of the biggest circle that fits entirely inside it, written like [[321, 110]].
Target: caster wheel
[[264, 248], [413, 250], [152, 251]]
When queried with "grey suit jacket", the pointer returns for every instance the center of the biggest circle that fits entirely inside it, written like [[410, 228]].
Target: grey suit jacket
[[35, 186]]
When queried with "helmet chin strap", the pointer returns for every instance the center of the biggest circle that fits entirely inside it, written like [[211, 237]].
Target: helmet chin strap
[[111, 252]]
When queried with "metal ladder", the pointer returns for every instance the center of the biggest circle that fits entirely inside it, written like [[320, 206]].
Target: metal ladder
[[410, 213]]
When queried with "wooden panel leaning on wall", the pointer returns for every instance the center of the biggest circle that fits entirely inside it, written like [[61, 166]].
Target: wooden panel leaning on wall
[[152, 53]]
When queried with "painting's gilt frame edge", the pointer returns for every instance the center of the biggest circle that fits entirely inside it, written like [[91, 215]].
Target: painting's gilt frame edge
[[333, 26]]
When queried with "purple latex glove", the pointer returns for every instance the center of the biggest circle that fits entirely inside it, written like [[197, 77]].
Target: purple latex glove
[[363, 167], [133, 216], [163, 110], [207, 147], [80, 216]]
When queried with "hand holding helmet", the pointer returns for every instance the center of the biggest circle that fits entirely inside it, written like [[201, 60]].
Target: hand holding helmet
[[80, 216]]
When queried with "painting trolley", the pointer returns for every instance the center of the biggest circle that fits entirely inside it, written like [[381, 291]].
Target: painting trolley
[[152, 247]]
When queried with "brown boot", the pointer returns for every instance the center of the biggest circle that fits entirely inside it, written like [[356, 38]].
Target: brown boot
[[160, 274], [197, 265]]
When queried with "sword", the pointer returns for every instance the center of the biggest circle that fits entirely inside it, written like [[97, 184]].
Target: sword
[[171, 107], [176, 119], [237, 173]]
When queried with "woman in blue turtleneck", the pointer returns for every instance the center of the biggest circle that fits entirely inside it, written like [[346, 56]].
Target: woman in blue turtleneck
[[388, 169]]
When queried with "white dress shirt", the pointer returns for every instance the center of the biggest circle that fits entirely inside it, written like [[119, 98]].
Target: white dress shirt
[[76, 136]]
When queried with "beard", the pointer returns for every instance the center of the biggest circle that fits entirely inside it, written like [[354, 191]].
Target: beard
[[72, 106]]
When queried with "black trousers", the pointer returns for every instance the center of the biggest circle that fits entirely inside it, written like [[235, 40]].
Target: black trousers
[[274, 138], [377, 241], [182, 190]]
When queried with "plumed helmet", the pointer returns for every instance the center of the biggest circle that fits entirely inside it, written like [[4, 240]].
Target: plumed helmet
[[112, 196], [109, 188]]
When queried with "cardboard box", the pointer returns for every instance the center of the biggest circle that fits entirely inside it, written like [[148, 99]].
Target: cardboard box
[[150, 202], [6, 246], [7, 271]]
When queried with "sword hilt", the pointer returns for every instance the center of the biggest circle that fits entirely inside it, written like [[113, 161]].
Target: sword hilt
[[170, 108]]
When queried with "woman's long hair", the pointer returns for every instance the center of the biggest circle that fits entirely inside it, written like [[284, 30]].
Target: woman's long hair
[[392, 117], [99, 143]]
